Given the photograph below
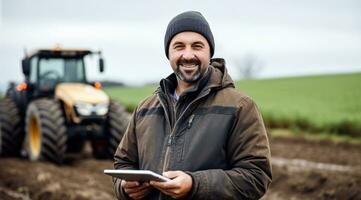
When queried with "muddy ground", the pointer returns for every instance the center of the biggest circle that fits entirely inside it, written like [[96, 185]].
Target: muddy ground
[[302, 169]]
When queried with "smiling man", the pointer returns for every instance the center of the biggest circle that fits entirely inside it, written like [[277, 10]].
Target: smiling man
[[196, 129]]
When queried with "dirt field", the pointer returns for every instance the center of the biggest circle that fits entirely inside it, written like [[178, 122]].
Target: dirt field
[[302, 170]]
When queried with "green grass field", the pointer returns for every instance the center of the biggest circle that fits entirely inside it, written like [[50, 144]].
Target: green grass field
[[130, 96], [329, 103]]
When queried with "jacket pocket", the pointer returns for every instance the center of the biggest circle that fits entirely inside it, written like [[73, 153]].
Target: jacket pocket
[[179, 149], [181, 140]]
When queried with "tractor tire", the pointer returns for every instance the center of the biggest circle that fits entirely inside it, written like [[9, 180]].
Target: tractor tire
[[46, 132], [114, 129], [11, 128]]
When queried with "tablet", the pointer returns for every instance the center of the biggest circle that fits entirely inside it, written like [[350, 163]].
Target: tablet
[[136, 175]]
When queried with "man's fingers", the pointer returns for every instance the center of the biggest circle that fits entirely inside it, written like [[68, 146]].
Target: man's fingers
[[130, 190], [168, 184], [140, 193], [129, 184], [172, 174], [178, 187], [165, 185]]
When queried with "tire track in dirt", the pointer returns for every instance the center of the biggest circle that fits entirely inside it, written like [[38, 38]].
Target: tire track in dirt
[[310, 169], [301, 165], [301, 170]]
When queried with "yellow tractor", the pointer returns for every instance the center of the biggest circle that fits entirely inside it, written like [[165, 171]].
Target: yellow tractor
[[56, 110]]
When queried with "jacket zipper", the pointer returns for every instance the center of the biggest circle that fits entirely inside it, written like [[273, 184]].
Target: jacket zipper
[[170, 140]]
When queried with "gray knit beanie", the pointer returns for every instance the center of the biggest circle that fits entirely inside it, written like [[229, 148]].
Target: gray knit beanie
[[188, 21]]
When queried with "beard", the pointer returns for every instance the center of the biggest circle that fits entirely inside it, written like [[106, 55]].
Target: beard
[[188, 71]]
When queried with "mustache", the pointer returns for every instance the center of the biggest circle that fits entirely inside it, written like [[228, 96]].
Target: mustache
[[192, 61]]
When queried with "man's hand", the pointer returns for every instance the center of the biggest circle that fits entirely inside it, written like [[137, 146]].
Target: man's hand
[[178, 187], [135, 190]]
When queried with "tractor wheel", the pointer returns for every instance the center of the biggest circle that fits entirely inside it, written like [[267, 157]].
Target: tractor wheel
[[46, 132], [11, 128], [116, 124]]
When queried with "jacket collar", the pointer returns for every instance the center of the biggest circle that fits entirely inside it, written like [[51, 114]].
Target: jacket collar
[[220, 77]]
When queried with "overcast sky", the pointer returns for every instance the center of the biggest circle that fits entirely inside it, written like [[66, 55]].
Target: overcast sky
[[290, 37]]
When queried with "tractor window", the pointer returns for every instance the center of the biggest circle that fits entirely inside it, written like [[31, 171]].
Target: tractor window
[[73, 70], [57, 70], [33, 64]]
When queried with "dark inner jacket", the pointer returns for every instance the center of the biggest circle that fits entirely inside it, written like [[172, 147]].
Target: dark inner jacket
[[213, 132]]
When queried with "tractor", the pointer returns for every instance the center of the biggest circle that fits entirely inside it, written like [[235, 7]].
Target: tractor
[[56, 110]]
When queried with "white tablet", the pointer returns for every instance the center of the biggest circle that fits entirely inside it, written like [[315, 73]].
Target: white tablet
[[136, 175]]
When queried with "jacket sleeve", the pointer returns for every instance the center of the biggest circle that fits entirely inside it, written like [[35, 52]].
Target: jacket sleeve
[[126, 156], [248, 156]]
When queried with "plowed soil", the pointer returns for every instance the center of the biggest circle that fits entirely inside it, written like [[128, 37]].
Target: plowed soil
[[302, 169]]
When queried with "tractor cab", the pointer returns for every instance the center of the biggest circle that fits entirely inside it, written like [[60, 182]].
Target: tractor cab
[[44, 69]]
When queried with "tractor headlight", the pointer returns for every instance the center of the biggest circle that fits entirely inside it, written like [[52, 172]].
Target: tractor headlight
[[101, 108], [86, 109]]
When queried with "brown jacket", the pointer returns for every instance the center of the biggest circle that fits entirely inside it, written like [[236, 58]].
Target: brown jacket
[[213, 132]]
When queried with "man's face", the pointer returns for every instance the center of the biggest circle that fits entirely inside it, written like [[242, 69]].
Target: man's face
[[189, 56]]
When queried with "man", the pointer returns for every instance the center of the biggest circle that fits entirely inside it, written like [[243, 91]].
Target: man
[[196, 129]]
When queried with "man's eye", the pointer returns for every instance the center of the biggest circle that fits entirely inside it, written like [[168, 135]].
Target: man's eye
[[198, 46], [178, 46]]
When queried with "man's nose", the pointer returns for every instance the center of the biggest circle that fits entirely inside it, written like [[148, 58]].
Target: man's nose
[[188, 53]]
